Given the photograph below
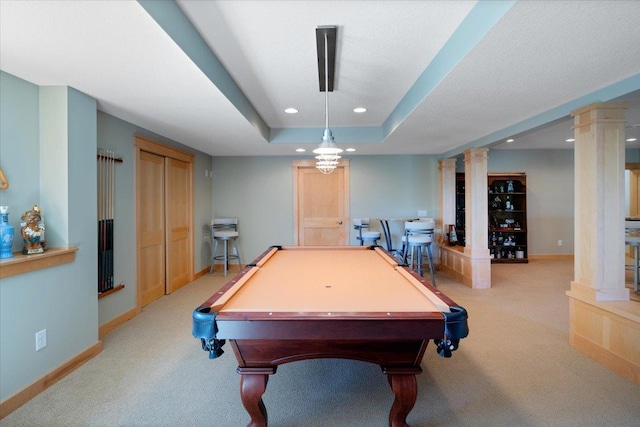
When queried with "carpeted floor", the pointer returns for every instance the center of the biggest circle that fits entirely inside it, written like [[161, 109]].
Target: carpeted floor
[[516, 368]]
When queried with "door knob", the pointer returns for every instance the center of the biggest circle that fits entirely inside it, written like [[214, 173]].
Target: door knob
[[339, 222]]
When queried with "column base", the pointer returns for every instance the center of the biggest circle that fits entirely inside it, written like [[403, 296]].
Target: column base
[[608, 332], [474, 272], [595, 294]]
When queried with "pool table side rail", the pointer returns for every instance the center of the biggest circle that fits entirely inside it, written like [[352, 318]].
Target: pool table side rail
[[218, 299], [407, 271]]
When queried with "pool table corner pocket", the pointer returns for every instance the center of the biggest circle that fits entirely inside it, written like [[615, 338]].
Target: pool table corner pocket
[[205, 329]]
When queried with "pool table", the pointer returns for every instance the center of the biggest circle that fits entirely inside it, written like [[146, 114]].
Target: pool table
[[351, 302]]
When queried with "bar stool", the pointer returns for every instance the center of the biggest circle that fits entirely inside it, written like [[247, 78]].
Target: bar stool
[[362, 225], [223, 230], [418, 236]]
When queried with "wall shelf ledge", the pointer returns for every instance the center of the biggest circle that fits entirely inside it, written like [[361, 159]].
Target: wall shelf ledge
[[21, 264]]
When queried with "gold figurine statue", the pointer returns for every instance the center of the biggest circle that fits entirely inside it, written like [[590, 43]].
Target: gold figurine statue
[[32, 231]]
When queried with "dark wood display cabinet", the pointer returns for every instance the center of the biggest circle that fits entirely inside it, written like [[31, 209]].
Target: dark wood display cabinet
[[507, 201], [460, 219]]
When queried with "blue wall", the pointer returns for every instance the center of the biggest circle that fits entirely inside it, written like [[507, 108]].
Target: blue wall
[[19, 146], [118, 135], [48, 142], [60, 299], [259, 192]]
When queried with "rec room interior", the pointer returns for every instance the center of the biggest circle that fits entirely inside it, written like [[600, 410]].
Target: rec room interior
[[168, 146]]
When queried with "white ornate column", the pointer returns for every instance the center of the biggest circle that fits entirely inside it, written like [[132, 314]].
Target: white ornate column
[[452, 258], [476, 214], [599, 155], [471, 265], [476, 202], [603, 323], [447, 190]]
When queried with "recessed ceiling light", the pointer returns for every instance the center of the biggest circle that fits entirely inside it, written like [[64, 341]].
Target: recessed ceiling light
[[351, 150], [631, 139], [291, 111], [359, 110], [300, 150], [570, 140], [510, 140]]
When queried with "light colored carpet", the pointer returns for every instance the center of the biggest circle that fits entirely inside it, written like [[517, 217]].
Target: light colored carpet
[[516, 368]]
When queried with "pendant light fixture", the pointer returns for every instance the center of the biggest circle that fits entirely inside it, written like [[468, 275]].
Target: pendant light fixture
[[327, 153]]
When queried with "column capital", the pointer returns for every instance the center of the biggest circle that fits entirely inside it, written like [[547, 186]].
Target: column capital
[[475, 152], [601, 106], [446, 163], [599, 112]]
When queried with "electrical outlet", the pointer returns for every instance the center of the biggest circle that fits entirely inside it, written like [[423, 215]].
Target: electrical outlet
[[559, 242], [41, 339]]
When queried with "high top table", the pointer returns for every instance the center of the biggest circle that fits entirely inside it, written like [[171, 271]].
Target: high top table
[[384, 224]]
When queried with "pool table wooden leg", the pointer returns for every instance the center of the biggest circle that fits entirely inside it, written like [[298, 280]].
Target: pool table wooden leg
[[253, 384], [405, 387]]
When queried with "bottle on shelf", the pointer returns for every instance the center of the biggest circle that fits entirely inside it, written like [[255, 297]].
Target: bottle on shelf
[[453, 237], [6, 234]]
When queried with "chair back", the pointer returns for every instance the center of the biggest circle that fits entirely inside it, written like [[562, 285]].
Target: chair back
[[360, 223], [631, 225], [225, 223], [632, 232], [419, 231], [224, 227]]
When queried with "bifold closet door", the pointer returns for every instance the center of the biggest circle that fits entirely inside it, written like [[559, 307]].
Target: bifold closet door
[[164, 223], [151, 226], [178, 211]]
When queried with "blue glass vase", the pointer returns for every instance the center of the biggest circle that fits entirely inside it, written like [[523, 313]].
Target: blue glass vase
[[6, 235]]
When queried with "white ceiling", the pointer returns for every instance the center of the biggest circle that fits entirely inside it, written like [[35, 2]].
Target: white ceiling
[[436, 76]]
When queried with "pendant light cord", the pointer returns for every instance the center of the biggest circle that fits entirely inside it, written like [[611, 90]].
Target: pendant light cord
[[326, 81]]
